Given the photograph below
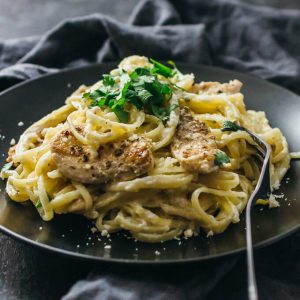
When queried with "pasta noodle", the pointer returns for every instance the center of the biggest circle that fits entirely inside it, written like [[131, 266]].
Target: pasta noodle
[[168, 200]]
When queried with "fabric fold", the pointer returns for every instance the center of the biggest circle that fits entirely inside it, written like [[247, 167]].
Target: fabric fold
[[261, 41]]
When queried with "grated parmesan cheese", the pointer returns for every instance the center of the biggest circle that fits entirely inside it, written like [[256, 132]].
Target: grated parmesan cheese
[[273, 202], [104, 232], [210, 233], [188, 233], [93, 229]]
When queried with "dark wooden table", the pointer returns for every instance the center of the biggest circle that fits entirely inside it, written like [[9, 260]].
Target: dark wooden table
[[26, 272]]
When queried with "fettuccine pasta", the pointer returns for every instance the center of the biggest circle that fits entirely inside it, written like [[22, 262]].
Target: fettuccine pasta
[[146, 150]]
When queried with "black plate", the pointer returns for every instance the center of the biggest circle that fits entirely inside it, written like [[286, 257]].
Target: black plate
[[71, 235]]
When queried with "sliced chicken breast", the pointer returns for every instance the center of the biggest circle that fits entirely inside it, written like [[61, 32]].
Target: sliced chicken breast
[[193, 145], [122, 160], [212, 88]]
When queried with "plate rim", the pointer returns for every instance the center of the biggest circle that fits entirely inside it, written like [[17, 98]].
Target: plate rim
[[90, 258], [114, 64], [86, 257]]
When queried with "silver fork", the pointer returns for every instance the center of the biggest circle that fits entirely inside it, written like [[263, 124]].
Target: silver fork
[[263, 189]]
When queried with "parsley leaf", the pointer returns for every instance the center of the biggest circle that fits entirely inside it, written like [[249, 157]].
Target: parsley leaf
[[161, 69], [163, 113], [171, 63], [142, 89], [142, 72], [133, 98], [101, 97], [38, 204], [122, 114], [230, 126], [6, 167], [221, 158], [144, 95], [108, 80]]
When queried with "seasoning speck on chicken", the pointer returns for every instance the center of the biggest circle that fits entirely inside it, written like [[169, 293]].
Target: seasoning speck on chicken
[[122, 160], [194, 145]]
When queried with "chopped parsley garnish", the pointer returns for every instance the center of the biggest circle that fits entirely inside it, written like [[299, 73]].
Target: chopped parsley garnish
[[122, 114], [108, 80], [171, 63], [163, 113], [141, 89], [221, 158], [38, 204], [161, 69], [6, 167], [230, 126]]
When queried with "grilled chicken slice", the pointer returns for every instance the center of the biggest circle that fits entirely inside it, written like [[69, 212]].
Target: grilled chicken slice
[[122, 160], [193, 145], [212, 88]]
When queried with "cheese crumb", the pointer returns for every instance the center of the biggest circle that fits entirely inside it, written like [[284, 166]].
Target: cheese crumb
[[104, 232], [210, 233], [279, 196], [188, 233], [20, 124], [273, 202], [157, 252], [12, 142], [107, 247], [93, 229]]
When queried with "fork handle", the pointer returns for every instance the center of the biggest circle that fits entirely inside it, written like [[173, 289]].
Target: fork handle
[[252, 287]]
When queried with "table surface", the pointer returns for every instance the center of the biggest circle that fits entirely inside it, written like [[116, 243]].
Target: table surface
[[30, 273]]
